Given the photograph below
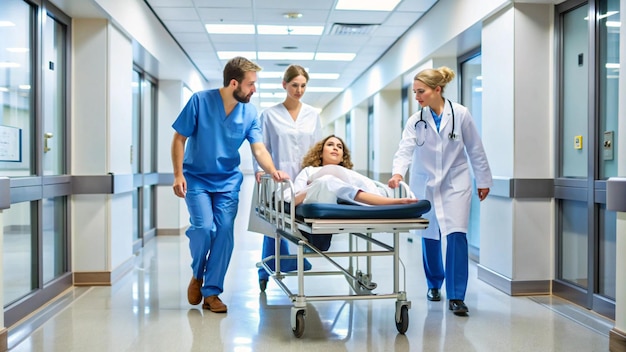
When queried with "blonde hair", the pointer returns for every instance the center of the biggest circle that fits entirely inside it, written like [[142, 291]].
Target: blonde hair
[[236, 69], [434, 78], [294, 71], [314, 156]]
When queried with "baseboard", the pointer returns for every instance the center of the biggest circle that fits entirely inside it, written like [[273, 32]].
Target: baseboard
[[617, 341], [102, 278], [514, 288], [4, 340], [171, 232]]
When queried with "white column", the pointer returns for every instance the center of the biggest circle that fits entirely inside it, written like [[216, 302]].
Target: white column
[[516, 59]]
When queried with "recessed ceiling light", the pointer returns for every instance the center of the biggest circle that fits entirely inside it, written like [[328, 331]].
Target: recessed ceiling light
[[6, 24], [367, 5], [230, 28], [17, 50], [292, 15]]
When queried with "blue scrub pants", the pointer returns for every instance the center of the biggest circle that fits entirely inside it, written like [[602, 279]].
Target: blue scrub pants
[[456, 269], [211, 236], [286, 265]]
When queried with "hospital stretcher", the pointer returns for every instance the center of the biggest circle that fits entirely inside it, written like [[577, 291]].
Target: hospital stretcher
[[304, 224]]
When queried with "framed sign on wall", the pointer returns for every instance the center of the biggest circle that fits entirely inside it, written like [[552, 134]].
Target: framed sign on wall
[[10, 144]]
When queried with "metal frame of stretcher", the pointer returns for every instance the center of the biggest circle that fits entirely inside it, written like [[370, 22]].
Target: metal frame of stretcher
[[272, 208]]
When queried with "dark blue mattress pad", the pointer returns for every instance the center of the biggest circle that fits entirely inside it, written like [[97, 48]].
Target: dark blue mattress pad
[[350, 211]]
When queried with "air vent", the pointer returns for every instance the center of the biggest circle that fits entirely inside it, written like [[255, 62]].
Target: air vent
[[352, 28]]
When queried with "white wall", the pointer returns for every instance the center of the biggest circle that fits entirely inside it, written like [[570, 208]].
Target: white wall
[[620, 292], [387, 131], [358, 150]]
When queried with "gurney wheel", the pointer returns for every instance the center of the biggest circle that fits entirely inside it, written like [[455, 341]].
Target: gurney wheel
[[298, 330], [403, 324]]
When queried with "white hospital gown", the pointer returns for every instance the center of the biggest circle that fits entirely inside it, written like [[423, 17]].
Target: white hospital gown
[[330, 183]]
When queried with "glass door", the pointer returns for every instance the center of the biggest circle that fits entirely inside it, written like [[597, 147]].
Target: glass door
[[587, 115], [35, 101]]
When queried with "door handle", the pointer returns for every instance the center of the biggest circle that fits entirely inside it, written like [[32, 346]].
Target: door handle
[[46, 136]]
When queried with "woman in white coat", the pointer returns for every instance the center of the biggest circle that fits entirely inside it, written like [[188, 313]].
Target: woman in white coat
[[289, 130], [437, 143]]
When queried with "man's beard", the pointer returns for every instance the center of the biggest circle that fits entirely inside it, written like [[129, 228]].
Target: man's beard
[[240, 97]]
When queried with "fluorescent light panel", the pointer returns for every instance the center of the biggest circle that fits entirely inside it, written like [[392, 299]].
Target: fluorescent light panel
[[8, 64], [276, 74], [17, 50], [323, 75], [324, 89], [290, 30], [276, 95], [227, 55], [230, 28], [283, 55], [335, 56], [367, 5], [6, 24]]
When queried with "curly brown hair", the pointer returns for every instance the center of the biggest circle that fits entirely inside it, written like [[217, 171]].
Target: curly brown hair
[[314, 156]]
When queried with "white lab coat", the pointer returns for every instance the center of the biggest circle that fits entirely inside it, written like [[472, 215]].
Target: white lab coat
[[439, 168], [287, 142]]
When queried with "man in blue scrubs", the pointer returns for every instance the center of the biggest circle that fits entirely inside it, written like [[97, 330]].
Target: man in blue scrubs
[[214, 124]]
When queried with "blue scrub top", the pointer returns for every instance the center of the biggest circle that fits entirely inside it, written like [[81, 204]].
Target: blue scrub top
[[213, 139]]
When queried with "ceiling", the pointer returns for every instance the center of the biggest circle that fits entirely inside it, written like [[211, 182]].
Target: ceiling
[[186, 20]]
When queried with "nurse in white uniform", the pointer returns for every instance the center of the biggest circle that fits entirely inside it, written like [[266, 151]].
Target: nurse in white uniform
[[437, 143], [289, 130]]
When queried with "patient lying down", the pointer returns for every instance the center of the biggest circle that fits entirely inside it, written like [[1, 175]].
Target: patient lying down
[[326, 177]]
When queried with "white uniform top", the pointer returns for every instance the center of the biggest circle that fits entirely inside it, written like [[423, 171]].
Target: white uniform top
[[327, 184], [288, 140], [439, 168]]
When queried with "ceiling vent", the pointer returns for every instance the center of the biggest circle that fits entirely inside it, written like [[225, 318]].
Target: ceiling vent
[[352, 28]]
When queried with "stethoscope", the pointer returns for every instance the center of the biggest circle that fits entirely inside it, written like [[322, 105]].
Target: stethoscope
[[451, 135]]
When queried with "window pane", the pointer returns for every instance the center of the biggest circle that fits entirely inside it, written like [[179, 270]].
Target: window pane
[[607, 255], [609, 70], [53, 238], [575, 93], [16, 84], [18, 251], [54, 107], [148, 208], [574, 242], [136, 119], [148, 127]]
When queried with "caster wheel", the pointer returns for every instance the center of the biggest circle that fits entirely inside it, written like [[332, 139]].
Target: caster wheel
[[403, 324], [298, 329]]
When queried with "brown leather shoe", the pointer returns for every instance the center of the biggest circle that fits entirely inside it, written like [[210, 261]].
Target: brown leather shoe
[[194, 295], [214, 304]]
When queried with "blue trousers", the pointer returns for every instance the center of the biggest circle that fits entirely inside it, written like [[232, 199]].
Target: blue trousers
[[211, 236], [286, 265], [455, 272]]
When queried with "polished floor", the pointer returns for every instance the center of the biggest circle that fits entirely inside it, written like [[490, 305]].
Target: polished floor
[[147, 310]]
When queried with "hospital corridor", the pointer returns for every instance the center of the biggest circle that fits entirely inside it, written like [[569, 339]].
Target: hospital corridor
[[458, 173], [147, 310]]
